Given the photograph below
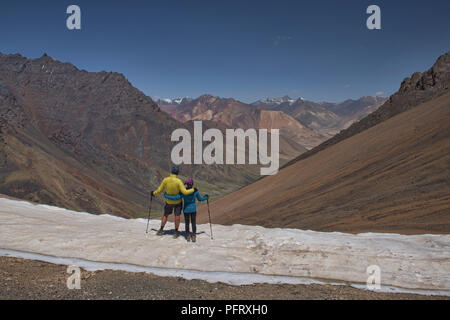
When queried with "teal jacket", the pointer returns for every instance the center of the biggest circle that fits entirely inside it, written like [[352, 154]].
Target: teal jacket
[[189, 205]]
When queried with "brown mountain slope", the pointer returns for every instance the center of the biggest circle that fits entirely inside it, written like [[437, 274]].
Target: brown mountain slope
[[392, 177], [289, 128], [313, 115], [88, 140]]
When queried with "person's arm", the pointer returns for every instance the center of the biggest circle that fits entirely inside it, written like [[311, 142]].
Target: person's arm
[[200, 198], [183, 190], [175, 197], [160, 188]]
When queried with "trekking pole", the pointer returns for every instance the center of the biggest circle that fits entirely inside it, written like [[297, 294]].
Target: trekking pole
[[149, 210], [209, 214]]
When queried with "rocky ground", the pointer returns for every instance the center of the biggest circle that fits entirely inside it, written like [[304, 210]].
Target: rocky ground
[[29, 279]]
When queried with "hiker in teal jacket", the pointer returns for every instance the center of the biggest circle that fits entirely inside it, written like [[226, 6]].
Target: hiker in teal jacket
[[189, 208]]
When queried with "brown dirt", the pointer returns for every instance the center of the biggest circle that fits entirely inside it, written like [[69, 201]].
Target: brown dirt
[[29, 279], [393, 177]]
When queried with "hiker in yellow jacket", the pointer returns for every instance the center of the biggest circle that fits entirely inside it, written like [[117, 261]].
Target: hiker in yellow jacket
[[172, 185]]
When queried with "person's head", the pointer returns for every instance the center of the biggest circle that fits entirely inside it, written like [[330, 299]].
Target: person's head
[[189, 183], [175, 170]]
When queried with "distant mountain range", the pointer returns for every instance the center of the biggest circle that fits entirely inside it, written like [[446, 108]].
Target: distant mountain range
[[273, 102], [303, 122], [230, 113], [325, 117]]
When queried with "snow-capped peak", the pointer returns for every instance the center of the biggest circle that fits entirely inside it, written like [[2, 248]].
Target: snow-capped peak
[[278, 100], [175, 101]]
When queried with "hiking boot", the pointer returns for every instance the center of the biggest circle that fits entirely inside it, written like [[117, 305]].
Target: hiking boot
[[188, 237], [176, 235], [193, 238], [160, 232]]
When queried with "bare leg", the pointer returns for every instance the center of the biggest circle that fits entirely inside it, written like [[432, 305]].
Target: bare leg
[[163, 221], [177, 222]]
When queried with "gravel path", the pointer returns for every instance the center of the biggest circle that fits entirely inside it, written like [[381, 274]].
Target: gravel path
[[29, 279]]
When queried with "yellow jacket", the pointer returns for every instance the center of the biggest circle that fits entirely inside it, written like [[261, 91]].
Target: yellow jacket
[[173, 186]]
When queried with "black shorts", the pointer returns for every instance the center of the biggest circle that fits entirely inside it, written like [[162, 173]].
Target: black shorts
[[169, 208]]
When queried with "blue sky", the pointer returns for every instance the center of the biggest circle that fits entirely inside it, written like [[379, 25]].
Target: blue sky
[[320, 50]]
